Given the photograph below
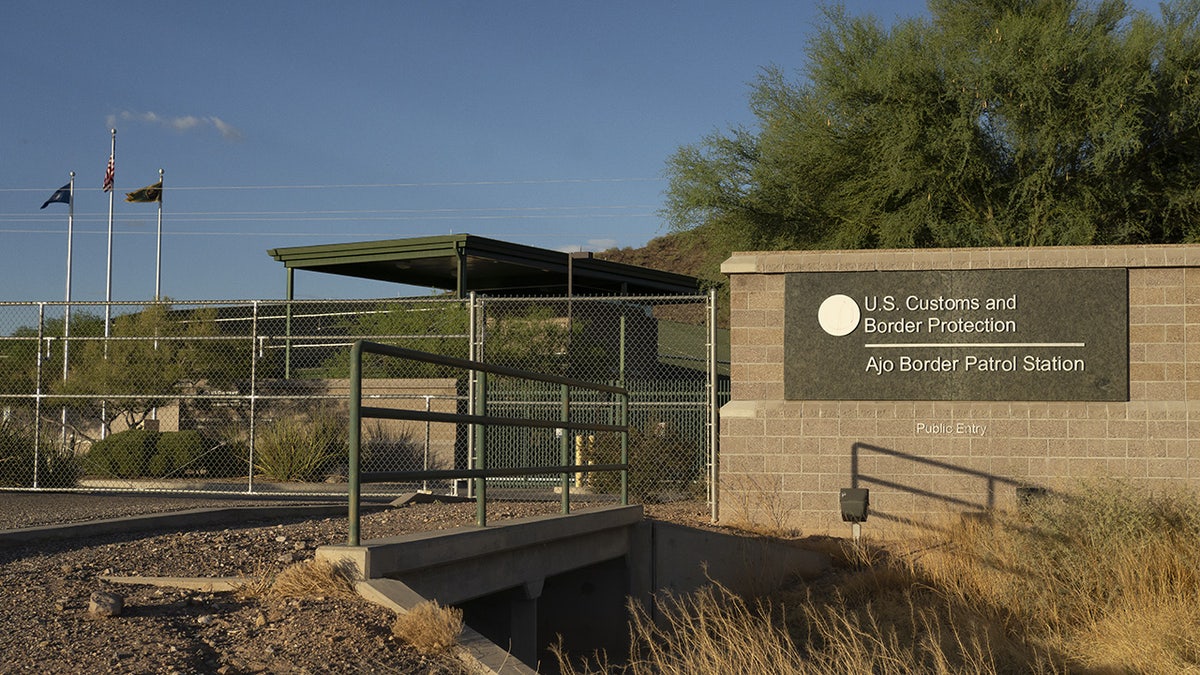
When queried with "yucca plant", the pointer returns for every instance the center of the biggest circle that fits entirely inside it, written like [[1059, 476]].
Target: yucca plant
[[301, 448]]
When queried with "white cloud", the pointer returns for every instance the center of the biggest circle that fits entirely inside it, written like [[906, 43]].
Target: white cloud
[[182, 123], [227, 130]]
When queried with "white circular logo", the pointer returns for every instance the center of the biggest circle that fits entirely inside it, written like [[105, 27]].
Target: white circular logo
[[839, 315]]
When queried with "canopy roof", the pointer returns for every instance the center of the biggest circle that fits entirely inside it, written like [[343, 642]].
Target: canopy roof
[[464, 263]]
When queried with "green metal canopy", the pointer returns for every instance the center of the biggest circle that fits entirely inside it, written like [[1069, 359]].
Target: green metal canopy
[[463, 263]]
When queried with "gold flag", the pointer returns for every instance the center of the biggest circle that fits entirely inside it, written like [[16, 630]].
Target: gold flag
[[150, 193]]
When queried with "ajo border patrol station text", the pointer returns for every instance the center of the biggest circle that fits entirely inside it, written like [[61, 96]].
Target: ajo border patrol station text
[[957, 335]]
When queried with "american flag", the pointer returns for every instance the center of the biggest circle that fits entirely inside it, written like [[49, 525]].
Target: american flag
[[108, 175]]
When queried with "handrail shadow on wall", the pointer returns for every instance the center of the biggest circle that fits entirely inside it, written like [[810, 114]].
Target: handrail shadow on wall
[[991, 482]]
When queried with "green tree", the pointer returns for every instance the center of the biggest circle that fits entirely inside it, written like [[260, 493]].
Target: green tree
[[19, 352], [991, 123], [435, 326], [151, 357]]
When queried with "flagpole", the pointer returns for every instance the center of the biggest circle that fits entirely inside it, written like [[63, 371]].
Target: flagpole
[[158, 248], [158, 267], [66, 350], [70, 237], [112, 156]]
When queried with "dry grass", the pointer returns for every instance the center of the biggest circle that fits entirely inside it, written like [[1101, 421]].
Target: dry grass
[[429, 627], [314, 578], [256, 585], [1103, 580], [1106, 578], [710, 631], [759, 505]]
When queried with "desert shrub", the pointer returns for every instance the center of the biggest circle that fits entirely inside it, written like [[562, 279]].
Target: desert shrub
[[224, 459], [189, 453], [295, 449], [429, 627], [661, 462], [139, 453], [16, 456], [758, 503], [391, 449], [125, 454], [55, 468], [177, 452]]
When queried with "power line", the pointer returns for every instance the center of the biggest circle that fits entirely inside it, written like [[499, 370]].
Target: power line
[[344, 212], [540, 233], [340, 186], [337, 186], [339, 219]]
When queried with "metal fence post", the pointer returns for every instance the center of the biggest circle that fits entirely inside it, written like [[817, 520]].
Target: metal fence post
[[624, 422], [564, 446], [480, 452], [287, 325], [425, 455], [37, 400], [253, 397], [714, 417], [474, 353], [355, 439]]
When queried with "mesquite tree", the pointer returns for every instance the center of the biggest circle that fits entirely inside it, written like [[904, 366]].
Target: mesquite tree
[[990, 123]]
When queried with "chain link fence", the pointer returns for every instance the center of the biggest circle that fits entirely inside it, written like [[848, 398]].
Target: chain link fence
[[250, 397]]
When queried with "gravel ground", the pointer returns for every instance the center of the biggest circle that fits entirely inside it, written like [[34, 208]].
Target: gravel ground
[[44, 609]]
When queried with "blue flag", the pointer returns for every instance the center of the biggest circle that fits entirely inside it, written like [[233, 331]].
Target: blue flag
[[63, 195]]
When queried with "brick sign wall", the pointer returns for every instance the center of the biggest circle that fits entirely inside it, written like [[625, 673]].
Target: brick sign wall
[[965, 375]]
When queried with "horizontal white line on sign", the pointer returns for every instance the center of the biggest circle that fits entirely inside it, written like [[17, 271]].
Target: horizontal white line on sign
[[974, 345]]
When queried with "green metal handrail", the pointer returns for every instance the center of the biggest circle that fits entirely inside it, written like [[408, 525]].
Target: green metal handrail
[[481, 473]]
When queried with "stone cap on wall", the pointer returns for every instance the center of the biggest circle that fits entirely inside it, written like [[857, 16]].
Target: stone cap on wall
[[782, 262]]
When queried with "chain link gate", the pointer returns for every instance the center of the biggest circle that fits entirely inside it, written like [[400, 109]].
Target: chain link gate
[[250, 397], [656, 347]]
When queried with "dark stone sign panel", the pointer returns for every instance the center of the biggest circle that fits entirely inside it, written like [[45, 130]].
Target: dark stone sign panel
[[962, 335]]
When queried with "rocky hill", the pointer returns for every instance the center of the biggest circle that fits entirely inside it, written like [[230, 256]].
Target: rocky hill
[[681, 253]]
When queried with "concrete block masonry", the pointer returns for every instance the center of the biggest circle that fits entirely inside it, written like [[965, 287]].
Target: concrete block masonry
[[944, 380]]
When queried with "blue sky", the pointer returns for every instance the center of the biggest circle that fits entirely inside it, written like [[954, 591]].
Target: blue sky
[[297, 123]]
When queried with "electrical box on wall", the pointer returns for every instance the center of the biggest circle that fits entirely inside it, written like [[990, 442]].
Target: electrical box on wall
[[855, 502]]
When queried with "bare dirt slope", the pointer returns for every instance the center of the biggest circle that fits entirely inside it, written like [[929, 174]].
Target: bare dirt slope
[[46, 626]]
